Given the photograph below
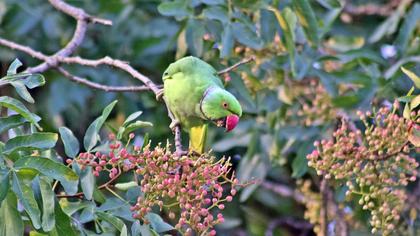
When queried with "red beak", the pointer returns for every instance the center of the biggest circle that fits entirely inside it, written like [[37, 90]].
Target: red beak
[[231, 122]]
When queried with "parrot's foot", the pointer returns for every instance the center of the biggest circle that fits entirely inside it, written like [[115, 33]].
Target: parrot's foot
[[181, 153], [159, 95], [194, 153], [174, 124]]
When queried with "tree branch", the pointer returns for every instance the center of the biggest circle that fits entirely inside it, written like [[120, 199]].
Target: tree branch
[[284, 191], [236, 65], [371, 8], [98, 86], [324, 207]]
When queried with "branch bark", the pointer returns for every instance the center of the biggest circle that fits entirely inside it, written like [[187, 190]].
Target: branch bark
[[284, 191], [236, 65]]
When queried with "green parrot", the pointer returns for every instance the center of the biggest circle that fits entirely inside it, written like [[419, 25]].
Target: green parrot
[[196, 96]]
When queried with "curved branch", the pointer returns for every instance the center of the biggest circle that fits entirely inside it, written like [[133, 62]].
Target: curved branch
[[236, 65], [94, 85]]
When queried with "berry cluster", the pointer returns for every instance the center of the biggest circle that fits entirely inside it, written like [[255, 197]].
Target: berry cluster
[[312, 201], [118, 159], [316, 105], [374, 165], [187, 187], [190, 185]]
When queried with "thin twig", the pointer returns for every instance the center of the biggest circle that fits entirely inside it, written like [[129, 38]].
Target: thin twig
[[371, 8], [94, 85], [25, 49], [236, 65], [284, 191], [324, 207]]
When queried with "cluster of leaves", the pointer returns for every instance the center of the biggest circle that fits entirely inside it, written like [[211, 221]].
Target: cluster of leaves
[[28, 164]]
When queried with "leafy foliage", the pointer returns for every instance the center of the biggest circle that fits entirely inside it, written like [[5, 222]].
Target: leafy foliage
[[316, 62]]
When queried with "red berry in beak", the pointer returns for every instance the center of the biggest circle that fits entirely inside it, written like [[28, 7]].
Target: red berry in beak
[[231, 122]]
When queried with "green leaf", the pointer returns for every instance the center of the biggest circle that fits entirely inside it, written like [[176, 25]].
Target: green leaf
[[71, 144], [407, 98], [300, 163], [22, 91], [415, 102], [396, 66], [63, 223], [87, 182], [219, 13], [346, 43], [35, 140], [288, 30], [4, 184], [194, 35], [48, 204], [132, 127], [12, 70], [92, 134], [132, 117], [227, 41], [126, 186], [27, 198], [70, 208], [52, 169], [407, 28], [412, 76], [406, 112], [116, 222], [268, 25], [308, 20], [246, 35], [390, 25], [11, 222], [177, 8], [157, 223], [105, 113], [330, 4], [146, 140], [17, 106], [10, 122], [34, 80], [346, 101], [213, 2]]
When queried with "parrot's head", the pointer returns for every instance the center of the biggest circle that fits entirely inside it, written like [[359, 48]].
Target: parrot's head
[[221, 107]]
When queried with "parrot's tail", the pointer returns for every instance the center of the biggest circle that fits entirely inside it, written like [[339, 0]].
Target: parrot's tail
[[198, 135]]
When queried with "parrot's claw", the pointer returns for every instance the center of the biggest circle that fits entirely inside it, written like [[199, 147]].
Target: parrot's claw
[[182, 153], [159, 95], [174, 124]]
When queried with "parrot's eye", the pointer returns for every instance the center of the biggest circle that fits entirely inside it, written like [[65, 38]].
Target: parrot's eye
[[225, 105]]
